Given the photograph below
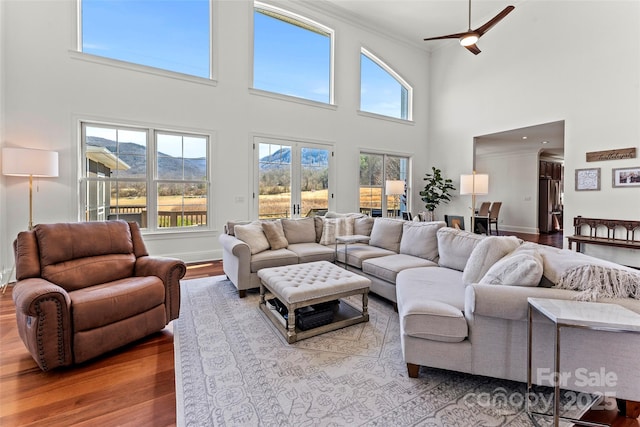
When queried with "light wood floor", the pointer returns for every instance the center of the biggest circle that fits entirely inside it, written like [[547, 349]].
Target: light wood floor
[[133, 386]]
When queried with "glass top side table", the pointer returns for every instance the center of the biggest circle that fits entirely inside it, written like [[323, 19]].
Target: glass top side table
[[574, 314], [347, 240]]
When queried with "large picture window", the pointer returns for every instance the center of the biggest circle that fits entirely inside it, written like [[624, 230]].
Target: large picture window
[[172, 35], [292, 55], [382, 90], [377, 171], [156, 178]]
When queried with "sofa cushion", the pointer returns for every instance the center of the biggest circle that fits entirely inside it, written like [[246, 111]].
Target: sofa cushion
[[310, 252], [489, 251], [299, 230], [455, 247], [523, 267], [90, 271], [275, 258], [431, 303], [363, 225], [386, 233], [359, 252], [388, 267], [319, 225], [230, 226], [275, 234], [333, 227], [101, 305], [420, 239], [253, 235]]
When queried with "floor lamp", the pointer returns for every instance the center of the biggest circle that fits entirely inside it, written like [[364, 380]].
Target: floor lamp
[[474, 184], [31, 163], [394, 188]]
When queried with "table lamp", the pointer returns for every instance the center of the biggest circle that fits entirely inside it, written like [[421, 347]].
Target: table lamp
[[474, 184], [394, 188]]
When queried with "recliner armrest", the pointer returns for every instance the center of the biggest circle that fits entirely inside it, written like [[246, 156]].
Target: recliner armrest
[[43, 314], [170, 271]]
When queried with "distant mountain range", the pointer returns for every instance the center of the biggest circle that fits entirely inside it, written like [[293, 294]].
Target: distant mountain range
[[135, 156], [283, 155]]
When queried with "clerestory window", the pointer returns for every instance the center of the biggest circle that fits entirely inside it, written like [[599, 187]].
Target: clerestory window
[[171, 35], [292, 55], [382, 90]]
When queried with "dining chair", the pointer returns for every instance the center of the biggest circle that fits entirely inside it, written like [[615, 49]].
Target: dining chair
[[493, 215]]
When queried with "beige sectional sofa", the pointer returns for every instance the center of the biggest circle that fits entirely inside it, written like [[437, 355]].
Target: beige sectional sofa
[[462, 297], [394, 245], [470, 313]]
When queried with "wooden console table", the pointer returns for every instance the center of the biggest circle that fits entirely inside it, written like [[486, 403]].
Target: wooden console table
[[630, 240]]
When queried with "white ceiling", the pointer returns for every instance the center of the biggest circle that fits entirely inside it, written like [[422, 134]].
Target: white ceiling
[[414, 20]]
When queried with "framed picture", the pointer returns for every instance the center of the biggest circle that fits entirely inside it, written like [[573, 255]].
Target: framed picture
[[588, 179], [454, 221], [626, 177]]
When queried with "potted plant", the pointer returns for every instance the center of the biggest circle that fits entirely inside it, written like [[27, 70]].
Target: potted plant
[[436, 191]]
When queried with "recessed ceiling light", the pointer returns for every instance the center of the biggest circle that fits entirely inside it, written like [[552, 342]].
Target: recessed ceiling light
[[545, 142], [524, 137]]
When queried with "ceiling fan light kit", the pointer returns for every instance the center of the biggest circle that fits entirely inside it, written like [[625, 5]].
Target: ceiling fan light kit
[[469, 38]]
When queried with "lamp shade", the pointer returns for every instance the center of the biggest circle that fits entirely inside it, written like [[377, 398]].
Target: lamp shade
[[477, 183], [29, 162], [394, 187]]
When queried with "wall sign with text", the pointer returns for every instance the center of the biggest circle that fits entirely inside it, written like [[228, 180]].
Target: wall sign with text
[[623, 153]]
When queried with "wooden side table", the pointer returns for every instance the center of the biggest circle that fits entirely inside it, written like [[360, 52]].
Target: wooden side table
[[574, 314]]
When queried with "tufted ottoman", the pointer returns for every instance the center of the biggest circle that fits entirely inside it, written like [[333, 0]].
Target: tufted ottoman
[[302, 285]]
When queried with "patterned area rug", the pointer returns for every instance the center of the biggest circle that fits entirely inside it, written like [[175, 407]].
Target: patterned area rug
[[233, 368]]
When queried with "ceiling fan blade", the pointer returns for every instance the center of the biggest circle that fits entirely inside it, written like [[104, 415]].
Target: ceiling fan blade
[[473, 49], [449, 36], [493, 21]]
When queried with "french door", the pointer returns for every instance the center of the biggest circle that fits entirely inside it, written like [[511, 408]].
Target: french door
[[292, 178]]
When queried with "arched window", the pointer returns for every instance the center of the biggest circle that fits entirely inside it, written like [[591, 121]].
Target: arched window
[[382, 90], [292, 55]]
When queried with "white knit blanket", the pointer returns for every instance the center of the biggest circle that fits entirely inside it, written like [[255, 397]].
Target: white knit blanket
[[595, 281]]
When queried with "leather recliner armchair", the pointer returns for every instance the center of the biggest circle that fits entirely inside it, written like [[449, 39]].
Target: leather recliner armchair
[[86, 288]]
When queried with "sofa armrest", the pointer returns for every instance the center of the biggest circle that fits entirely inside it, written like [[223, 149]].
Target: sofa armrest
[[170, 271], [43, 314], [507, 302], [236, 261]]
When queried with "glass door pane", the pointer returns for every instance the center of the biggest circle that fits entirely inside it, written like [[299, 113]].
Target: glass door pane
[[274, 180], [314, 181]]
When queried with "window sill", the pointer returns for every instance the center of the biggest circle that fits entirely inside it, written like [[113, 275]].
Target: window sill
[[383, 117], [281, 97], [74, 54]]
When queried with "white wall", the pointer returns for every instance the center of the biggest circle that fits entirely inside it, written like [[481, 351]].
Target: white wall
[[513, 180], [544, 63], [47, 90]]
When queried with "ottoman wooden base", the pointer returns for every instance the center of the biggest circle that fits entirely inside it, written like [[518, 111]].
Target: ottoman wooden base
[[302, 285]]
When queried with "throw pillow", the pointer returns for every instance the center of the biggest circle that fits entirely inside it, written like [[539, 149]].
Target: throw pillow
[[523, 267], [489, 251], [597, 281], [455, 247], [386, 233], [332, 227], [253, 235], [275, 234], [301, 230], [419, 239]]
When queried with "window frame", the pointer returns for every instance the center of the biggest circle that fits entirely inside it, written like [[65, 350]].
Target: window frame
[[306, 22], [384, 197], [76, 52], [151, 177], [382, 64]]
